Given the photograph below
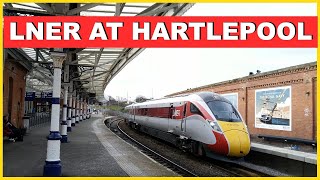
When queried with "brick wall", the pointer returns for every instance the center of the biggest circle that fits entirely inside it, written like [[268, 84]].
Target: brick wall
[[18, 73], [315, 106], [302, 80]]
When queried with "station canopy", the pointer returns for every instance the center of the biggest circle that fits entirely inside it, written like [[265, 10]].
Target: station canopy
[[91, 69]]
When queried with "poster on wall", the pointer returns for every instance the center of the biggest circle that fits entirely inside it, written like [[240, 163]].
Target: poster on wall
[[273, 108], [233, 98]]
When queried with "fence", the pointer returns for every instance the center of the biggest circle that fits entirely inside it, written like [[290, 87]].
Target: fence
[[40, 118]]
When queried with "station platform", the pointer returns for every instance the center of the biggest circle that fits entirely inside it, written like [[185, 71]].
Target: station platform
[[305, 157], [93, 150]]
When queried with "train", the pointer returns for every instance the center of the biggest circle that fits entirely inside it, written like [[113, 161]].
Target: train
[[202, 123]]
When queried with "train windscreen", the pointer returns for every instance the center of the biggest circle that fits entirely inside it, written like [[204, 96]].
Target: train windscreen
[[224, 111]]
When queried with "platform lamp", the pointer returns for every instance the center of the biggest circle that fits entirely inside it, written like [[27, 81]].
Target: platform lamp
[[52, 165]]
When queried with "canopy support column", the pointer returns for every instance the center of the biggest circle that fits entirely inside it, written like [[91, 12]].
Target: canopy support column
[[52, 165], [64, 124]]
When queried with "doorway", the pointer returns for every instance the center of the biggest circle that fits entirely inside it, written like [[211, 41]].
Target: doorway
[[10, 98]]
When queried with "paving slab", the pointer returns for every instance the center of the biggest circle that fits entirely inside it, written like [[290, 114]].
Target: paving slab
[[131, 159], [93, 150], [310, 158]]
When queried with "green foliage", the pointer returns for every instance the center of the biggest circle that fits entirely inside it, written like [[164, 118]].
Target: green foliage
[[116, 108]]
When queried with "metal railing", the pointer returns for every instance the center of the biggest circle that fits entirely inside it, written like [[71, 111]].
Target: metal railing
[[39, 118]]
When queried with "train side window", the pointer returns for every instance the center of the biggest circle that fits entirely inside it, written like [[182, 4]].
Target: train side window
[[194, 109]]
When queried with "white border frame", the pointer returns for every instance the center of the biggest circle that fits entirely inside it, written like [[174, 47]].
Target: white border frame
[[237, 94], [272, 127]]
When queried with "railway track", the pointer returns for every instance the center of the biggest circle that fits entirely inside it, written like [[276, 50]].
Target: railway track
[[232, 169], [149, 152], [239, 169]]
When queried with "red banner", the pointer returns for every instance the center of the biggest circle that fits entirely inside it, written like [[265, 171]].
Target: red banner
[[146, 31]]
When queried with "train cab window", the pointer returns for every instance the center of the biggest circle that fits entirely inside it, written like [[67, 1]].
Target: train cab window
[[224, 111], [194, 109]]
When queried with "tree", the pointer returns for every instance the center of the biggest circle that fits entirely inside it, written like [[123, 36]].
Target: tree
[[141, 99]]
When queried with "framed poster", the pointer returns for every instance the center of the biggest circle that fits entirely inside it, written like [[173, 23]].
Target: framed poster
[[273, 108], [233, 98]]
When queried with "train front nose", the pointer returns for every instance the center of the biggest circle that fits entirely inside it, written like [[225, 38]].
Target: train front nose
[[238, 142]]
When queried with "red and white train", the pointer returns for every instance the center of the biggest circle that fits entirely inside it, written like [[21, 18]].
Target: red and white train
[[202, 123]]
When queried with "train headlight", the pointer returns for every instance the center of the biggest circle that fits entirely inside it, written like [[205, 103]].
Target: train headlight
[[215, 126]]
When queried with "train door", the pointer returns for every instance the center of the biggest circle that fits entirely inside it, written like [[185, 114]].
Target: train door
[[183, 120], [134, 114], [170, 117]]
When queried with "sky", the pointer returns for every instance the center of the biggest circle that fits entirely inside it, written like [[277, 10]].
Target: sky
[[157, 72]]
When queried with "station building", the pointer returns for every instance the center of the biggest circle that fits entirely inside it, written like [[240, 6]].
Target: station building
[[15, 70], [287, 97]]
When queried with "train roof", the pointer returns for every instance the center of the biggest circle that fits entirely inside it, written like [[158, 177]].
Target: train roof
[[179, 100], [211, 96], [165, 102]]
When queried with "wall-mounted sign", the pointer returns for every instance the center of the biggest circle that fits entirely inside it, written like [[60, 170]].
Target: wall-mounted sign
[[30, 96], [43, 95], [273, 108], [46, 95], [38, 94]]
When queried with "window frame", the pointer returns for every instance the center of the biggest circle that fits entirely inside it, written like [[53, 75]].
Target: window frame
[[193, 112]]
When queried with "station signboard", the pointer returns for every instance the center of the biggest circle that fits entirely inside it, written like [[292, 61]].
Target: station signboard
[[273, 108], [38, 94], [43, 95], [30, 96], [46, 95]]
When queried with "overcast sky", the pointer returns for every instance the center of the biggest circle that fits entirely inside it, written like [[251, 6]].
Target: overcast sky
[[157, 72]]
